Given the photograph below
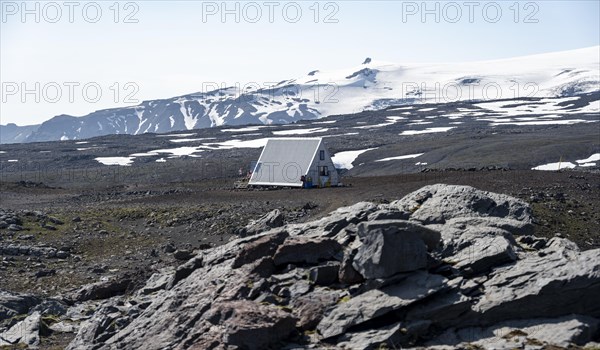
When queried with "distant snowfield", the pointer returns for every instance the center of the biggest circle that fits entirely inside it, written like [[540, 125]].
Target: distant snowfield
[[250, 128], [189, 151], [555, 166], [178, 152], [587, 162], [426, 131], [408, 156], [543, 106], [256, 143], [344, 160], [400, 108], [299, 131], [191, 140], [123, 161], [177, 135]]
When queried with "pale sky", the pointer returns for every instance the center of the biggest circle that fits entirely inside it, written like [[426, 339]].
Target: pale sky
[[175, 48]]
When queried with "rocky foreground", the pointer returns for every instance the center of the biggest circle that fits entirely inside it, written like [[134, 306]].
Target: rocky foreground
[[443, 267]]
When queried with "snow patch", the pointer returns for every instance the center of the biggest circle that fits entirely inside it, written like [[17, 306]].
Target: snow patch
[[191, 140], [176, 135], [344, 160], [299, 131], [250, 128], [593, 158], [555, 166], [426, 131], [123, 161], [408, 156]]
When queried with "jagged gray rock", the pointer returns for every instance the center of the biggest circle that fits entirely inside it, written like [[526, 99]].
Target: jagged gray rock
[[483, 254], [101, 290], [262, 247], [324, 275], [436, 204], [376, 302], [266, 222], [461, 268], [299, 249], [515, 334], [548, 286], [245, 324], [12, 304], [25, 332], [390, 247]]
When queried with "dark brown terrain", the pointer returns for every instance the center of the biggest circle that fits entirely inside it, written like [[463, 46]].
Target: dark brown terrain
[[126, 229]]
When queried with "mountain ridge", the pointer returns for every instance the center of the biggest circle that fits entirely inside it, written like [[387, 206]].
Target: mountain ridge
[[372, 85]]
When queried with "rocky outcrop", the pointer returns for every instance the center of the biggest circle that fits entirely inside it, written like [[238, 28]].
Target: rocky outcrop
[[12, 304], [100, 290], [26, 332], [440, 267], [377, 303], [268, 221], [390, 247]]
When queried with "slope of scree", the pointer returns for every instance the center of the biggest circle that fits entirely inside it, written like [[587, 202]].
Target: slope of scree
[[444, 267]]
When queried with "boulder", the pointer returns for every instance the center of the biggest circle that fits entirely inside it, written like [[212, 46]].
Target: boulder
[[264, 246], [430, 237], [389, 213], [183, 271], [26, 332], [12, 304], [250, 325], [378, 302], [337, 220], [309, 310], [183, 254], [560, 332], [372, 339], [347, 273], [304, 250], [436, 204], [101, 290], [395, 336], [443, 309], [391, 247], [483, 254], [266, 222], [552, 285], [324, 275], [93, 333], [63, 327], [157, 281]]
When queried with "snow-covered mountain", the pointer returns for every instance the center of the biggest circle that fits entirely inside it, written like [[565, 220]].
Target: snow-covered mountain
[[371, 85]]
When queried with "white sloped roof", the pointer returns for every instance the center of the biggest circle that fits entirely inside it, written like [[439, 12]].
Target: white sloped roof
[[284, 160]]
